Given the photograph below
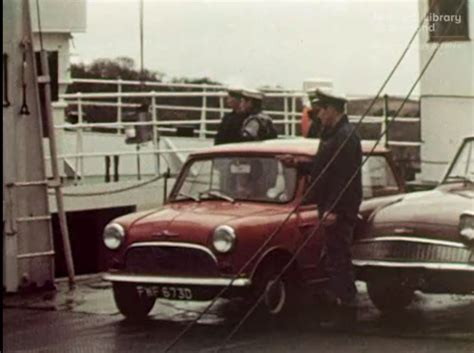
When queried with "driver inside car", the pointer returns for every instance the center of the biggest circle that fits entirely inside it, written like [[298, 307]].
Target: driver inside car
[[247, 180]]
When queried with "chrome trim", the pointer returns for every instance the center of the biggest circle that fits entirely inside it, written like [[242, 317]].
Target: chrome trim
[[425, 265], [176, 245], [186, 281], [414, 240], [403, 230]]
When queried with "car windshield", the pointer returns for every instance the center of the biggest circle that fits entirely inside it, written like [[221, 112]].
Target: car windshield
[[237, 178], [462, 169], [377, 177]]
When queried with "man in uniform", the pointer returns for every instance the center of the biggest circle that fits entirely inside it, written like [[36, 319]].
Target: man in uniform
[[231, 124], [338, 213], [257, 126]]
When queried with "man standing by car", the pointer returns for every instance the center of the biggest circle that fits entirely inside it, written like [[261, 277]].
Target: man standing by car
[[231, 124], [257, 126], [338, 212]]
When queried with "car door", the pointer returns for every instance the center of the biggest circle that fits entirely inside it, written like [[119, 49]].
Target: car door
[[310, 258]]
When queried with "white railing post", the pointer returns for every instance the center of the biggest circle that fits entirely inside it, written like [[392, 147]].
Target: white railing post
[[221, 106], [154, 130], [293, 115], [79, 161], [285, 111], [119, 103], [202, 128]]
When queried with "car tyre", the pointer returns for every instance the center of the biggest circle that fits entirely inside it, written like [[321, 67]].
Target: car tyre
[[132, 304], [390, 297], [279, 294]]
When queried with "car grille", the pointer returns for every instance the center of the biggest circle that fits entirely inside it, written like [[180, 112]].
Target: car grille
[[410, 251], [170, 260]]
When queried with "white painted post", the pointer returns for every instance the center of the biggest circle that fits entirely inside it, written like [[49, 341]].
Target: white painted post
[[221, 106], [80, 139], [293, 115], [285, 110], [154, 118], [202, 128], [119, 104]]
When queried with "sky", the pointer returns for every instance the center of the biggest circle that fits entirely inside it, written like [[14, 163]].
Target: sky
[[353, 43]]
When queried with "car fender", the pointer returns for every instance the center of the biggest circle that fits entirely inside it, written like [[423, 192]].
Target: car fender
[[274, 253]]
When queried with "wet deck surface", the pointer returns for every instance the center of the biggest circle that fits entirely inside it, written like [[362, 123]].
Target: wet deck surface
[[86, 320]]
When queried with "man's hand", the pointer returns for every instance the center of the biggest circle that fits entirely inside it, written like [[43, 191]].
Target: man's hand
[[329, 218]]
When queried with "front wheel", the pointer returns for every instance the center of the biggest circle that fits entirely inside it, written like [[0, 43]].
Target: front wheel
[[389, 296], [131, 303], [279, 292]]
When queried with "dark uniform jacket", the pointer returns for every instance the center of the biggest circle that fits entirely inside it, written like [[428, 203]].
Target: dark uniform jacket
[[230, 129], [335, 178], [258, 127]]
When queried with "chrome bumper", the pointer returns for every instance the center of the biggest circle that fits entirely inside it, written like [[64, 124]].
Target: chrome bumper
[[423, 265], [184, 281]]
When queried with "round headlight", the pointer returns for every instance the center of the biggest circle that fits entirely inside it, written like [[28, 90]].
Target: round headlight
[[223, 239], [114, 234], [466, 227]]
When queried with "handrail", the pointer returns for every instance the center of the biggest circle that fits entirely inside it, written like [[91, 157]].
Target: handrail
[[199, 102]]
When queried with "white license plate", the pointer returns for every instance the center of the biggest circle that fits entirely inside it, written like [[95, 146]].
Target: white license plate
[[166, 292]]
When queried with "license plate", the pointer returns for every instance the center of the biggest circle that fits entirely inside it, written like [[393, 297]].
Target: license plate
[[166, 292]]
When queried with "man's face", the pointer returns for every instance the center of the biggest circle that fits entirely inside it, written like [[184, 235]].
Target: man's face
[[327, 114], [315, 111], [246, 105], [233, 102]]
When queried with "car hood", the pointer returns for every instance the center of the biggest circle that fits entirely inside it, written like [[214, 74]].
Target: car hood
[[192, 221], [433, 214]]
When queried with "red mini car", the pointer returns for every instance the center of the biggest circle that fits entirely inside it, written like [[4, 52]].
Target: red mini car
[[226, 202]]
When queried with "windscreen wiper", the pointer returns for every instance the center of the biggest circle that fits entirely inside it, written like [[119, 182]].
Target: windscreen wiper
[[216, 193]]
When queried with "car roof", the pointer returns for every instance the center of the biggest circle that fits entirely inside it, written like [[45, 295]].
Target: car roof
[[297, 146]]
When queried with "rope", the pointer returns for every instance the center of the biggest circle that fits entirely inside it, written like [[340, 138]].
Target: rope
[[307, 192], [116, 191], [303, 244]]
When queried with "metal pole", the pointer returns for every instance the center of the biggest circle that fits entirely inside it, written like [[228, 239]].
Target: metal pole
[[202, 129], [79, 121], [80, 136], [293, 116], [285, 107], [116, 168], [119, 104], [55, 171], [154, 119], [139, 175], [385, 122], [107, 169], [142, 67], [221, 106]]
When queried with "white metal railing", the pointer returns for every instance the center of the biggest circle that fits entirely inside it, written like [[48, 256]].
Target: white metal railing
[[289, 117]]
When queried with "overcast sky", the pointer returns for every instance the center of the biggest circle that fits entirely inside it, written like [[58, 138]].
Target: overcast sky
[[354, 43]]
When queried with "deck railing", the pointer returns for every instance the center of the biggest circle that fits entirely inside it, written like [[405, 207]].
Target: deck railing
[[288, 116]]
